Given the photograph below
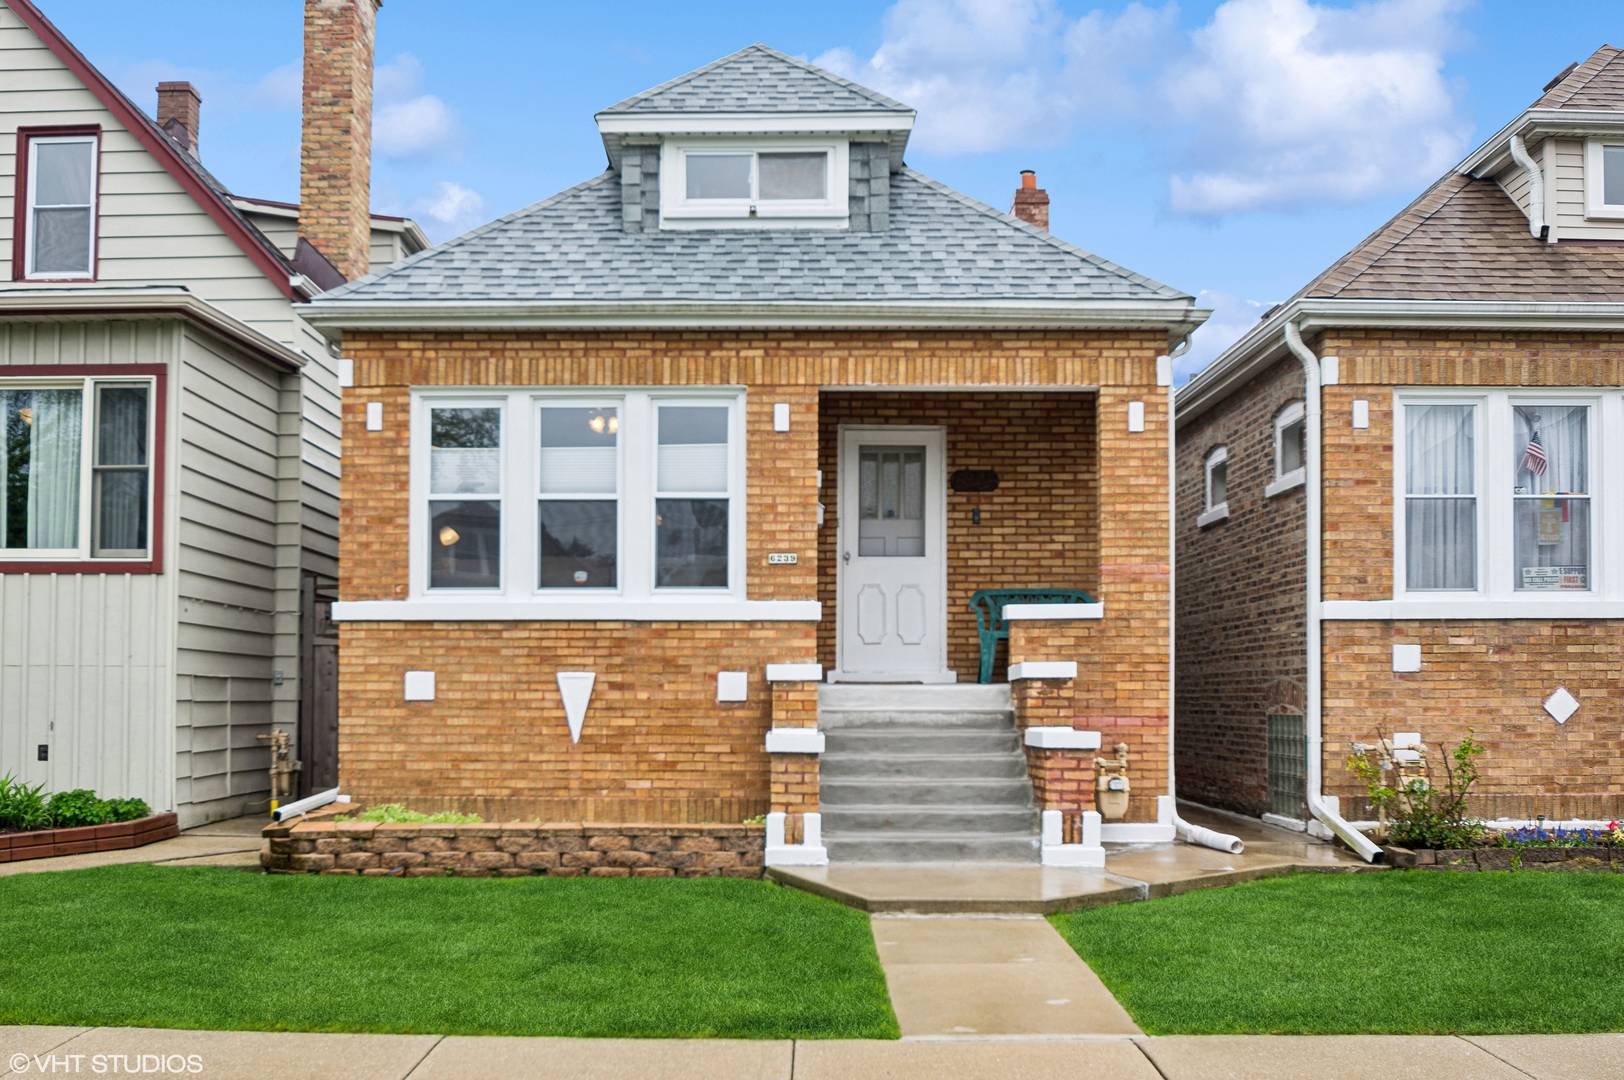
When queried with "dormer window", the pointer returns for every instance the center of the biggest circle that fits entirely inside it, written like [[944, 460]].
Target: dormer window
[[1604, 177], [710, 184]]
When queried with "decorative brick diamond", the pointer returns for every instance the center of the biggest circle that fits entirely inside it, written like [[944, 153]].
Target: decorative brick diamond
[[1561, 705]]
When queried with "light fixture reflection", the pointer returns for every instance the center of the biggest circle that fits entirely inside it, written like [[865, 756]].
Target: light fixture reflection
[[600, 423], [449, 536], [27, 415]]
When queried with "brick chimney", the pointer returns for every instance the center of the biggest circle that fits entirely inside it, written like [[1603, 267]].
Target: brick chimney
[[179, 106], [1031, 201], [335, 173]]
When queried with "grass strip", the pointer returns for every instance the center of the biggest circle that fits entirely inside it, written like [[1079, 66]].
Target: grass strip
[[222, 949], [1399, 952]]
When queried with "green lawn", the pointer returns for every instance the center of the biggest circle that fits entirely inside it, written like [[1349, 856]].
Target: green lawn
[[1414, 952], [217, 948]]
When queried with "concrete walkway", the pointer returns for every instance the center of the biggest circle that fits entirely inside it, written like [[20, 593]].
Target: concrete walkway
[[991, 975], [255, 1055], [222, 843]]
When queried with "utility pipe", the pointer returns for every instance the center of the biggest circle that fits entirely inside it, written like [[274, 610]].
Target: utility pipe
[[1536, 189], [1192, 834], [1312, 393]]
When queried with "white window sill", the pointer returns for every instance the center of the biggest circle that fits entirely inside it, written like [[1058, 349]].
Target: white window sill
[[1576, 607], [1291, 480], [1033, 612], [1217, 513], [687, 610]]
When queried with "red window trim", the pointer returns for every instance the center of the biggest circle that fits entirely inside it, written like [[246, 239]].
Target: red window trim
[[160, 423], [19, 224]]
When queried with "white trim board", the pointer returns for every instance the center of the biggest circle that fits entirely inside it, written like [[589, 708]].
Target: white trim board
[[1585, 608], [577, 611], [1041, 612]]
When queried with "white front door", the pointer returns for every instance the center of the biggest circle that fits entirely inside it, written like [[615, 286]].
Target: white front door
[[892, 568]]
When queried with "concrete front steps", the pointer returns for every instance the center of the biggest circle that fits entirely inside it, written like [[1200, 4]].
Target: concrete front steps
[[931, 773]]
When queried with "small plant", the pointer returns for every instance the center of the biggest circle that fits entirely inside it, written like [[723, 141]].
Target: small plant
[[397, 814], [1417, 811], [127, 809], [22, 807], [759, 819], [76, 809], [1535, 836]]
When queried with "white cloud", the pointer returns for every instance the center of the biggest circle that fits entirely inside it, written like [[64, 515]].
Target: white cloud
[[1273, 104], [405, 123], [279, 88], [1231, 317], [452, 207]]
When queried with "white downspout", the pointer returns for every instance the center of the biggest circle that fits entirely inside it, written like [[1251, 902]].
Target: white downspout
[[1536, 189], [1312, 392], [1192, 834]]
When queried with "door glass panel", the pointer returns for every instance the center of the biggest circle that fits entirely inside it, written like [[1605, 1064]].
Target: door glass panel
[[891, 501]]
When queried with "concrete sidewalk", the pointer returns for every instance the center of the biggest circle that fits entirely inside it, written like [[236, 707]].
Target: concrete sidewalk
[[256, 1055]]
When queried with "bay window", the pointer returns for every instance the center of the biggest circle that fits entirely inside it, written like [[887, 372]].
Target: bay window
[[76, 470], [631, 494], [1497, 492]]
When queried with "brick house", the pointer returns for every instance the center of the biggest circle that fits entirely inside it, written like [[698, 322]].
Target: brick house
[[660, 488], [1440, 503], [169, 466]]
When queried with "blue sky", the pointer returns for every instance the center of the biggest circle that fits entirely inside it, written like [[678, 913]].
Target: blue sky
[[1232, 149]]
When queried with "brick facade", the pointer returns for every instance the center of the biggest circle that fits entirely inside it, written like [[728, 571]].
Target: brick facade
[[656, 746], [1239, 602], [1486, 676]]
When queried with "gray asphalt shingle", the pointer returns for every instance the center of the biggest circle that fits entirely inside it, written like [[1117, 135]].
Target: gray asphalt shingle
[[756, 79], [941, 245]]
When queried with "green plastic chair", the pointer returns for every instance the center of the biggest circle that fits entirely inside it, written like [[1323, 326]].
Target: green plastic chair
[[988, 604]]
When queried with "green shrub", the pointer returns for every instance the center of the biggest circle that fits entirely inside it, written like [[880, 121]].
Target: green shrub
[[1418, 812], [127, 809], [76, 809], [22, 807], [397, 814]]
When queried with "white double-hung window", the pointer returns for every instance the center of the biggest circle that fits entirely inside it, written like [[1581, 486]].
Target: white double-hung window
[[59, 221], [1497, 493], [1290, 450], [587, 495], [76, 469]]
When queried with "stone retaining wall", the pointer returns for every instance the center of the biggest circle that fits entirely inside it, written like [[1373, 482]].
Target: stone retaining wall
[[1576, 859], [514, 849]]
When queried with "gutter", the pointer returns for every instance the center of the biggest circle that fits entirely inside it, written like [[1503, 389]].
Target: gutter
[[1177, 317], [1192, 834], [1536, 189], [1313, 391]]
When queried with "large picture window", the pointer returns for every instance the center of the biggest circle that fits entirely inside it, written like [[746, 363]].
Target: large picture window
[[76, 463], [58, 211], [1499, 494], [632, 494]]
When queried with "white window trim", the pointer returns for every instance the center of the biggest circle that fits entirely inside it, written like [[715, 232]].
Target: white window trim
[[1495, 595], [1285, 481], [30, 229], [1595, 187], [678, 211], [634, 572], [86, 385], [1212, 513]]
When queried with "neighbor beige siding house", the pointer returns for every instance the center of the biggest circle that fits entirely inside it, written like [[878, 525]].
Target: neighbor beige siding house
[[170, 460]]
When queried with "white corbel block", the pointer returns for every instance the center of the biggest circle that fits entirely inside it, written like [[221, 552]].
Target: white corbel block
[[794, 740], [1043, 669], [794, 672], [1062, 738], [419, 686], [1406, 658], [732, 686]]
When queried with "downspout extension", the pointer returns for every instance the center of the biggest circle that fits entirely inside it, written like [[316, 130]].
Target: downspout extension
[[1191, 834], [1536, 189], [1312, 392]]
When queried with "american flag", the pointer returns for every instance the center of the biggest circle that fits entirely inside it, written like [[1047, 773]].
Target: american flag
[[1533, 459]]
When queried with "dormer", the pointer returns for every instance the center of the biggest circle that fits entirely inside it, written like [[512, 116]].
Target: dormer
[[1562, 160], [756, 140]]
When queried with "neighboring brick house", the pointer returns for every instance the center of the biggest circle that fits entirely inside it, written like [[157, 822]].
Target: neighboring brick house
[[653, 467], [1463, 441], [169, 466]]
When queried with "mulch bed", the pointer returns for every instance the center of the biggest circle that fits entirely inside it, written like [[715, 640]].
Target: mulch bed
[[1595, 860]]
